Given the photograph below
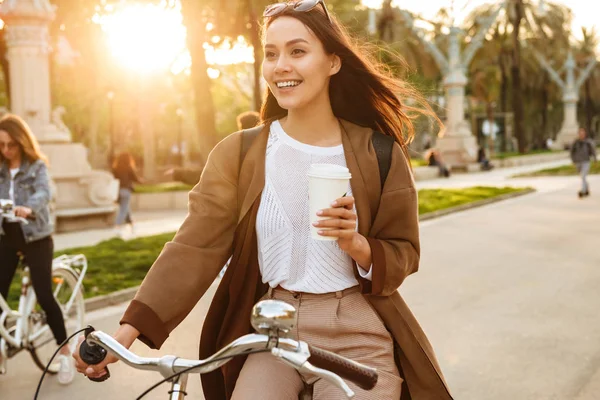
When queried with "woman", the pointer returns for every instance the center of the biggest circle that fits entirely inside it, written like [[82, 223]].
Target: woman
[[324, 101], [124, 170], [24, 180]]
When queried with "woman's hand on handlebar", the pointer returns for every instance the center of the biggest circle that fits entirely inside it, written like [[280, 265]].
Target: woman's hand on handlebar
[[23, 212], [126, 335]]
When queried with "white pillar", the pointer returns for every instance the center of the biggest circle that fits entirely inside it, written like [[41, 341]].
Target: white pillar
[[570, 127], [372, 27], [84, 197], [28, 44], [456, 142]]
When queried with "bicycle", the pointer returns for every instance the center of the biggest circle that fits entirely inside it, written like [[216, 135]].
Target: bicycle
[[273, 320], [26, 327]]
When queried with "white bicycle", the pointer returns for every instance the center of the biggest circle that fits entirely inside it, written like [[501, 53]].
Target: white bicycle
[[25, 328], [273, 320]]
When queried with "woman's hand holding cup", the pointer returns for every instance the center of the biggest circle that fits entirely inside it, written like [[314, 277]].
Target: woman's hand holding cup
[[340, 222]]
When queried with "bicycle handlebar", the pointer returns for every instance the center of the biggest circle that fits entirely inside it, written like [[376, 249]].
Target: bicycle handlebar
[[7, 210], [363, 376], [305, 358]]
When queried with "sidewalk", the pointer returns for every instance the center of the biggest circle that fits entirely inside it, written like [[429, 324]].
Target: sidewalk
[[146, 224], [156, 222]]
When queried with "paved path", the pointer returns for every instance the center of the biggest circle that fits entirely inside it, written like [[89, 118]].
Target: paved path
[[507, 293], [156, 222]]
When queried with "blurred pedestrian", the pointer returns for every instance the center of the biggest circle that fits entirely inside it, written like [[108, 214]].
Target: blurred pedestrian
[[247, 120], [434, 159], [124, 170], [191, 176], [583, 151]]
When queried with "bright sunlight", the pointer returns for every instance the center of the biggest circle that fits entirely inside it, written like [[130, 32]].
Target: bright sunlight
[[152, 38], [145, 37]]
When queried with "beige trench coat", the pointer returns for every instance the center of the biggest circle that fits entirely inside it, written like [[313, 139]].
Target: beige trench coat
[[221, 223]]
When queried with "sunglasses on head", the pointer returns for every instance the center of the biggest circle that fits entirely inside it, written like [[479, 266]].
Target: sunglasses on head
[[301, 5]]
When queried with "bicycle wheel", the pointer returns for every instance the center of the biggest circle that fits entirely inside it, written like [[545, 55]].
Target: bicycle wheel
[[42, 343]]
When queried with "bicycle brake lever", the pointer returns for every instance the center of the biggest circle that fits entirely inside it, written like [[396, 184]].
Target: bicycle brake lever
[[299, 361]]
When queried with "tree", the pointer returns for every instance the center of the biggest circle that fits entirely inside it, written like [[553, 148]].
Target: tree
[[586, 49], [523, 20]]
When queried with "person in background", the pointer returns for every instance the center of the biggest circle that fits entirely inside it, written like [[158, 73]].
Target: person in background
[[247, 120], [483, 160], [191, 176], [583, 151], [124, 170], [434, 159], [24, 180]]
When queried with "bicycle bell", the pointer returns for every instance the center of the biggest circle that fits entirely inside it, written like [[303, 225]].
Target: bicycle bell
[[273, 315]]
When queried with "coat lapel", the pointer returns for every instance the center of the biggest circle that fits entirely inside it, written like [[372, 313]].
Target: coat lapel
[[353, 137], [252, 173]]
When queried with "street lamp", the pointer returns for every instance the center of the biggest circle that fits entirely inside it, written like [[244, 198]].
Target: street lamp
[[111, 152], [179, 113]]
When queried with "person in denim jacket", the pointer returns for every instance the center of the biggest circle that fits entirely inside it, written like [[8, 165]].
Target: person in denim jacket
[[24, 179]]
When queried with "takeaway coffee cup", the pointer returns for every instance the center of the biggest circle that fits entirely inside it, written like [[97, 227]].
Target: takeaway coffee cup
[[326, 183]]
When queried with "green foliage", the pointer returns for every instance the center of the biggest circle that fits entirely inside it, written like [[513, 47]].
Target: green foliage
[[566, 170], [502, 156], [431, 200]]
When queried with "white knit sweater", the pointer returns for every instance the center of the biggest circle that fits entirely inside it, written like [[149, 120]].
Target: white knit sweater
[[288, 256]]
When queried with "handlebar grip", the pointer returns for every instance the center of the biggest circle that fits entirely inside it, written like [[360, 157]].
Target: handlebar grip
[[92, 355], [364, 377]]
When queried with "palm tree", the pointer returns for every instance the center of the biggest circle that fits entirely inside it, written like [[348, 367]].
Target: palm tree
[[586, 50], [523, 20]]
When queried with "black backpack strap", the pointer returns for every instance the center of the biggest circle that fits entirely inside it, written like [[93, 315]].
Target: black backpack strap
[[248, 136], [383, 145]]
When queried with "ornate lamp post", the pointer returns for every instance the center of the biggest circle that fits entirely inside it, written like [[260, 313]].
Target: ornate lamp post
[[455, 142]]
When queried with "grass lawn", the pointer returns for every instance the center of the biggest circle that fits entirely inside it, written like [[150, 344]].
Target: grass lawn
[[565, 170], [502, 156], [116, 264], [431, 200], [418, 162], [162, 187]]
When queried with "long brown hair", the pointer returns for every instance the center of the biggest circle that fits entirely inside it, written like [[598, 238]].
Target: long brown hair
[[363, 91], [123, 163], [20, 132]]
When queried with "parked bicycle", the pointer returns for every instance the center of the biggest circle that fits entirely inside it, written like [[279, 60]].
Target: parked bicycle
[[273, 320], [25, 328]]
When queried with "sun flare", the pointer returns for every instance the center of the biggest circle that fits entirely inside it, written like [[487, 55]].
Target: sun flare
[[146, 37], [151, 38]]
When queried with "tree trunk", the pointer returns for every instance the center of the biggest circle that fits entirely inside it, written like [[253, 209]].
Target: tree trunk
[[257, 46], [544, 101], [516, 78], [503, 99], [4, 64], [203, 102], [589, 108]]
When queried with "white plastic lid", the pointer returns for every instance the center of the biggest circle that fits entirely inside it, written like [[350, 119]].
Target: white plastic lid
[[331, 171]]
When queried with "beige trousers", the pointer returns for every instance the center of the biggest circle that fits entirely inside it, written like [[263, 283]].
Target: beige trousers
[[341, 322]]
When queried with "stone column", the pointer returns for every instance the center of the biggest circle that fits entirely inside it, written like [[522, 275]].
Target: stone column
[[570, 127], [456, 143], [83, 197], [27, 39]]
